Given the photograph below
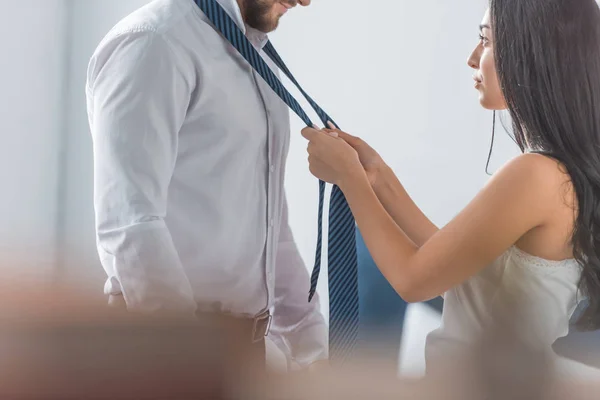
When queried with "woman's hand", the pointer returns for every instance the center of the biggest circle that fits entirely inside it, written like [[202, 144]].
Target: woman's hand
[[331, 158], [369, 158]]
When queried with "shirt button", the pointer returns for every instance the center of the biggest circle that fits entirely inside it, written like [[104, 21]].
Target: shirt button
[[272, 168], [271, 223]]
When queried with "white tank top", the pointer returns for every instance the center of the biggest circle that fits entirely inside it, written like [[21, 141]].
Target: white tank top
[[546, 293]]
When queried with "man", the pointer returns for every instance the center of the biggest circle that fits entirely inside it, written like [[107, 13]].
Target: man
[[190, 146]]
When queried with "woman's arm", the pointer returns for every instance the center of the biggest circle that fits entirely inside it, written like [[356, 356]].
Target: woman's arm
[[390, 191], [520, 197], [398, 204], [511, 204]]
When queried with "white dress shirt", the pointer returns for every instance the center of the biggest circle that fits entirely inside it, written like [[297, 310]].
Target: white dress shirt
[[190, 146]]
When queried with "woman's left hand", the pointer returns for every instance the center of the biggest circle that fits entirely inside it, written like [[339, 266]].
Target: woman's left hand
[[330, 158]]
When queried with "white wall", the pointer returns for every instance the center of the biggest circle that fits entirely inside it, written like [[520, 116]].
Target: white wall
[[396, 75], [31, 81]]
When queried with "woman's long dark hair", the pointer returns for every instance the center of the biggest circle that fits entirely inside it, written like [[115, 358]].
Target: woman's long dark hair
[[548, 61]]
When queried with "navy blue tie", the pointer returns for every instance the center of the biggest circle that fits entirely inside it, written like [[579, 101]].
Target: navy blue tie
[[342, 260]]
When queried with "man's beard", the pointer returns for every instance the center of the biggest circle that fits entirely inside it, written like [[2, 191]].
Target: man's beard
[[259, 14]]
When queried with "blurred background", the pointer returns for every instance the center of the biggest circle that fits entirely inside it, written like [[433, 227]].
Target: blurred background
[[393, 73]]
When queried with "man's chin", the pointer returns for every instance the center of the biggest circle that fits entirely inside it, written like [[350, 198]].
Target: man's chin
[[274, 22], [270, 28]]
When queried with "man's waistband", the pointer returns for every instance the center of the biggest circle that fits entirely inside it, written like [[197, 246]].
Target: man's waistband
[[255, 328]]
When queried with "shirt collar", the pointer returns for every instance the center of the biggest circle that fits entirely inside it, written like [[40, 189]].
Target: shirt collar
[[256, 37]]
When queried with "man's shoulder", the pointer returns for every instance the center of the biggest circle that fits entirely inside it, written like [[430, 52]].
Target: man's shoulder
[[152, 31], [157, 17]]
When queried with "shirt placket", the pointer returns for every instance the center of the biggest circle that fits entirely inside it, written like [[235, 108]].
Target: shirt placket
[[271, 195]]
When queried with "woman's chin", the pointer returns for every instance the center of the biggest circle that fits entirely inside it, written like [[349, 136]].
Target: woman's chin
[[485, 104], [490, 104]]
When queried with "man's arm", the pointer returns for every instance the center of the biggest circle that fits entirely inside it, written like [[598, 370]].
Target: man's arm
[[137, 101], [298, 326]]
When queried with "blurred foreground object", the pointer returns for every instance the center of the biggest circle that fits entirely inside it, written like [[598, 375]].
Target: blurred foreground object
[[505, 371], [56, 344], [501, 363]]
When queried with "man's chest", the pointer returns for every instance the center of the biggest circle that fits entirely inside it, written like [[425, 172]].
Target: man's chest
[[235, 125], [232, 108]]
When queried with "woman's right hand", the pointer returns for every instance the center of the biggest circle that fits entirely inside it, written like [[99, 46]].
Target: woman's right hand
[[369, 158]]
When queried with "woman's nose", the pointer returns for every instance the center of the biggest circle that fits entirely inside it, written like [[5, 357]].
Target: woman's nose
[[473, 60]]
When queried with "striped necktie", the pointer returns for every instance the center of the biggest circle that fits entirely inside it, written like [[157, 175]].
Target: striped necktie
[[342, 260]]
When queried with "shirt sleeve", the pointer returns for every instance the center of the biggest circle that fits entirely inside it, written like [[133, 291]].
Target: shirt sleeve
[[298, 327], [137, 101]]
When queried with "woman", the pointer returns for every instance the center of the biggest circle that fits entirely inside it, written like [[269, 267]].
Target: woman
[[528, 245]]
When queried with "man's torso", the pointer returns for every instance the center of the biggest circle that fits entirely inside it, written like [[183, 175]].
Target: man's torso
[[225, 196]]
